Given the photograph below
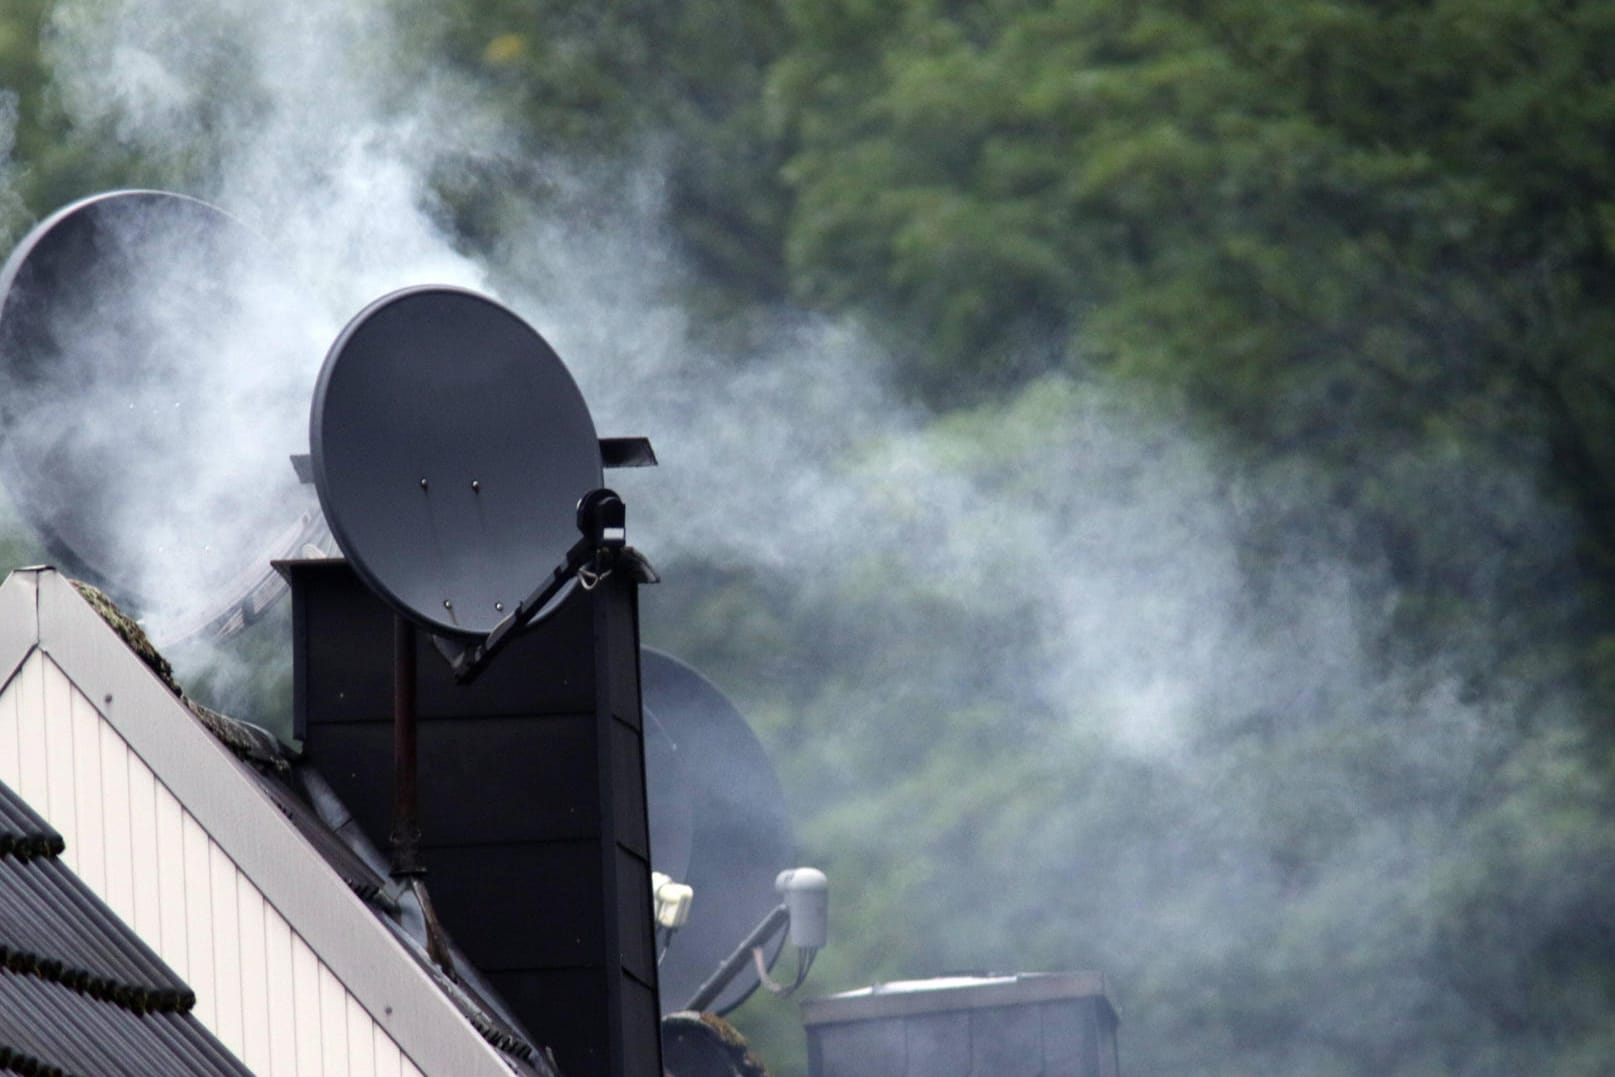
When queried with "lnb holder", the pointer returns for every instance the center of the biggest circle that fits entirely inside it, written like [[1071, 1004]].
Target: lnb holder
[[602, 522], [806, 894]]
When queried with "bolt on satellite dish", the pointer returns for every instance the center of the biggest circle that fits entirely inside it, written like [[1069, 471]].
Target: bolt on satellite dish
[[142, 343]]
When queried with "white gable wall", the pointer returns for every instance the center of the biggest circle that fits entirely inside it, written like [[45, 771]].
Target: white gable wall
[[259, 987], [106, 754]]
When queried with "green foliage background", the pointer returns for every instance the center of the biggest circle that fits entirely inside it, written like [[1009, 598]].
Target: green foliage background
[[1365, 249]]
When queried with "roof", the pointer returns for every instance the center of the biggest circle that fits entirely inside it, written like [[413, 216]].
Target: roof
[[80, 993], [249, 802]]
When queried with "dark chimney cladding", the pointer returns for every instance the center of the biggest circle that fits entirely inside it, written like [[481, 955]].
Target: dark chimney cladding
[[1031, 1024], [531, 800]]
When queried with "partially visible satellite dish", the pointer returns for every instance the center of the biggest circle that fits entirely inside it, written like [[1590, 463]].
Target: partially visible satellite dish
[[740, 836], [450, 447], [145, 413]]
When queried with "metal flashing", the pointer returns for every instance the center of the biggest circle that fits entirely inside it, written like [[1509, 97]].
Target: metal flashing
[[264, 844]]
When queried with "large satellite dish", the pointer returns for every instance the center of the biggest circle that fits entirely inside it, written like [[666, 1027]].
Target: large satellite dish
[[146, 418], [450, 448], [739, 834]]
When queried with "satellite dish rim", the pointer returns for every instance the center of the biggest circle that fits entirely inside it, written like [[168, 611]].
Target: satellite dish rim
[[341, 534], [30, 240]]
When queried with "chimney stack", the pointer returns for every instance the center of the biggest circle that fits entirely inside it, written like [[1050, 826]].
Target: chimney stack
[[531, 792]]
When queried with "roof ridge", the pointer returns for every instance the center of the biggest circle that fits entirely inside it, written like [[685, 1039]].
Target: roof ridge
[[249, 742], [130, 631]]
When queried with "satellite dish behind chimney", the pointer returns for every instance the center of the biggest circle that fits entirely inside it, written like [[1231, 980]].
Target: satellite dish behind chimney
[[739, 834], [143, 349]]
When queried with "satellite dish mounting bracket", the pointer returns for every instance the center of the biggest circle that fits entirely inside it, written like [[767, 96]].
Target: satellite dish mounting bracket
[[602, 519]]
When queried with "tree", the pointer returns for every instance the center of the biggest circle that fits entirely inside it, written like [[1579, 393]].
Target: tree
[[1362, 248], [1368, 242], [614, 92]]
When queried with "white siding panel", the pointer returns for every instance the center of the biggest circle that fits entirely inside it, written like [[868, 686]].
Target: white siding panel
[[389, 1060], [282, 993], [86, 844], [57, 725], [334, 1025], [199, 922], [226, 948], [9, 749], [306, 1003], [173, 941], [33, 779], [361, 1041], [117, 846], [254, 977], [410, 1070], [143, 846]]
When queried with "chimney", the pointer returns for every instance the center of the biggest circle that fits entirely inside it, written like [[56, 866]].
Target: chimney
[[531, 799]]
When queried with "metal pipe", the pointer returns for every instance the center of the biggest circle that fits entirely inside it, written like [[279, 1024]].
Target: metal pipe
[[406, 836]]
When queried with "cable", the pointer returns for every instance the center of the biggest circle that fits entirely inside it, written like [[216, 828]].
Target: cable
[[804, 962]]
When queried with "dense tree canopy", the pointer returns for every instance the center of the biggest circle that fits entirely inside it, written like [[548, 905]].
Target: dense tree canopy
[[1227, 602]]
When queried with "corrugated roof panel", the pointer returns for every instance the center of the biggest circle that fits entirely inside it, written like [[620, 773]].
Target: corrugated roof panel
[[23, 832], [48, 1027]]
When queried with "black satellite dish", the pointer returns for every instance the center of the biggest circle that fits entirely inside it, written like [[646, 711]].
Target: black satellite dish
[[740, 835], [145, 419], [450, 447]]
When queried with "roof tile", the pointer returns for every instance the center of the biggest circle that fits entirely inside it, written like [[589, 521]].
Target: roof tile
[[80, 993]]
